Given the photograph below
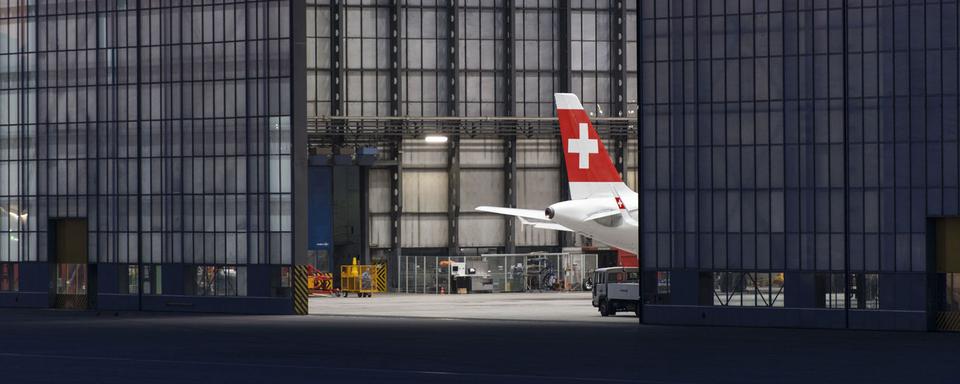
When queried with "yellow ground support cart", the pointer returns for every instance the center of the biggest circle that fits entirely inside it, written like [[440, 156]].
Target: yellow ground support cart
[[359, 279]]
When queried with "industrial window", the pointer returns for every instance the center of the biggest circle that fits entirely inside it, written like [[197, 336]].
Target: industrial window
[[128, 279], [217, 280], [831, 291], [658, 292], [150, 279], [748, 289], [9, 277], [281, 281], [862, 289]]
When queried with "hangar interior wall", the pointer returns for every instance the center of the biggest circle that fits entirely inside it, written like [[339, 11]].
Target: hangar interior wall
[[469, 59]]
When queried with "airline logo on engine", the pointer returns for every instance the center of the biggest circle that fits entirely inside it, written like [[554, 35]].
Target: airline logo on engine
[[584, 146]]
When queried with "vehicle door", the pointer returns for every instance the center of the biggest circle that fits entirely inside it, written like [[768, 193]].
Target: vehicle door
[[600, 288]]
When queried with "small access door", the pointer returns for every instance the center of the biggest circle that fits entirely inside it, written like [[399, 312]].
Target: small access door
[[946, 279], [73, 278]]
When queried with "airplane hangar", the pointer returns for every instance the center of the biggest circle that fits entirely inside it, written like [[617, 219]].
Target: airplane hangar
[[798, 158], [206, 156]]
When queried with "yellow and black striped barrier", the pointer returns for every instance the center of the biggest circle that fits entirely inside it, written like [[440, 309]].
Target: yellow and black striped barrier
[[301, 295], [380, 282], [326, 284], [948, 321]]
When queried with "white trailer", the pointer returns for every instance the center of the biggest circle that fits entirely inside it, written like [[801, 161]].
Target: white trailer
[[616, 289]]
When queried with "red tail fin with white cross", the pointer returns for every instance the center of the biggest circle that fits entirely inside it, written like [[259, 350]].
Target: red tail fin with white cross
[[589, 169]]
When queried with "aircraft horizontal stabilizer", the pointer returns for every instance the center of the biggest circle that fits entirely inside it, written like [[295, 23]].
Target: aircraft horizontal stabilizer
[[531, 217], [552, 227], [601, 215], [524, 213]]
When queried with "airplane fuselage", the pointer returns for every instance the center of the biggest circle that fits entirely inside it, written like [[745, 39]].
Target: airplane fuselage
[[615, 230]]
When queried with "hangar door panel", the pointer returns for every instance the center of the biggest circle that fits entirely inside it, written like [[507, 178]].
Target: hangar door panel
[[947, 277]]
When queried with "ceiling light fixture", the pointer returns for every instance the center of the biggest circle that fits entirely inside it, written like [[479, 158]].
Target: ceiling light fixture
[[435, 139]]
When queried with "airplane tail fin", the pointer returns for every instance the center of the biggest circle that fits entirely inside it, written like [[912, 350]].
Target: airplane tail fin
[[589, 169]]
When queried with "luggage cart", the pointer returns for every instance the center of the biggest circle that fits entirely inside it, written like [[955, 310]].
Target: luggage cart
[[358, 279]]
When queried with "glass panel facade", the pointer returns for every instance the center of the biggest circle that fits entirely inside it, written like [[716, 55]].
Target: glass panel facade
[[797, 135], [165, 124], [482, 43]]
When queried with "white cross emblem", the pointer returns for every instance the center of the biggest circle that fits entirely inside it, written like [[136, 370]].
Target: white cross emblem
[[584, 146]]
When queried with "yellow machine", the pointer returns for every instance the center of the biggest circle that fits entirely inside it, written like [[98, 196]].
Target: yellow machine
[[363, 280]]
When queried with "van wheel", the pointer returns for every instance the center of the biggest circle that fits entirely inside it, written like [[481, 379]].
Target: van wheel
[[604, 308]]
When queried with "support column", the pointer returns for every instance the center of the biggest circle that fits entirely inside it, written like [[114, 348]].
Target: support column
[[510, 192], [396, 200], [336, 70], [565, 79], [298, 130], [509, 141], [618, 66], [395, 104], [336, 58], [364, 215], [453, 58], [453, 196], [396, 175], [510, 75], [565, 57], [453, 145]]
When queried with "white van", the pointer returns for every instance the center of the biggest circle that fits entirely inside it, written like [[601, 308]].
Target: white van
[[616, 289]]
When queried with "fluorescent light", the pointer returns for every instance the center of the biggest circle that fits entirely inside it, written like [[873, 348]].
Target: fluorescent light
[[435, 139]]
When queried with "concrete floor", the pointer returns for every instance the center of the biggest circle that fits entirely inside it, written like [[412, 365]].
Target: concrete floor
[[553, 306], [45, 346]]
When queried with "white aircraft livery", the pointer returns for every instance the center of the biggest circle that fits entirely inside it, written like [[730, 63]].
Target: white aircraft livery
[[601, 205]]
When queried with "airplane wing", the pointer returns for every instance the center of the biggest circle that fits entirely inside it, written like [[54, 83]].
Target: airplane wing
[[531, 217]]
